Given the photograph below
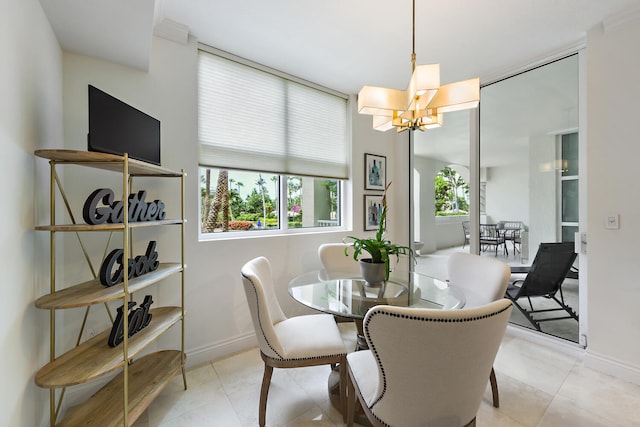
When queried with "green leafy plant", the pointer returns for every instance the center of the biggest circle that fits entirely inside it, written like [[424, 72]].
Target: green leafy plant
[[378, 247]]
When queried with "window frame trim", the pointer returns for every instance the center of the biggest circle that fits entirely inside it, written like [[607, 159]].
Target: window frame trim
[[282, 217]]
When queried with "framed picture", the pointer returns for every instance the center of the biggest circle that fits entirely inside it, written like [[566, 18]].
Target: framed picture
[[372, 211], [375, 172]]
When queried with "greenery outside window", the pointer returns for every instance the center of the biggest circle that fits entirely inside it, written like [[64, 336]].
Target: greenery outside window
[[240, 201], [451, 192]]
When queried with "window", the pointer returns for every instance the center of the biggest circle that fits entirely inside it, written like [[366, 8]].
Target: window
[[266, 137], [236, 201], [569, 191], [451, 193]]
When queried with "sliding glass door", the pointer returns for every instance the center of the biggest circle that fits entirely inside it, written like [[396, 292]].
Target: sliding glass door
[[527, 178], [529, 154]]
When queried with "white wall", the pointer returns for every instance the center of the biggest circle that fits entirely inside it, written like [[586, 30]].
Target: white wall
[[449, 231], [612, 157], [30, 118], [543, 182], [426, 211], [508, 193], [218, 321]]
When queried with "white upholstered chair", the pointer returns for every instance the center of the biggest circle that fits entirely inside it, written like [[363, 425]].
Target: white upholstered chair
[[482, 280], [425, 367], [294, 342], [335, 262]]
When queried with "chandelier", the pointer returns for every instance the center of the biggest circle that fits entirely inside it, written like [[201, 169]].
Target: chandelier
[[423, 103]]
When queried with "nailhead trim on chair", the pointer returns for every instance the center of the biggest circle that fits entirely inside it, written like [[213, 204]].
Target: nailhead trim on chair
[[273, 349], [260, 319], [422, 319]]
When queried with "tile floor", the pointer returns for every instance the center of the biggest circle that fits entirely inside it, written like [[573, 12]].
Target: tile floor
[[539, 386]]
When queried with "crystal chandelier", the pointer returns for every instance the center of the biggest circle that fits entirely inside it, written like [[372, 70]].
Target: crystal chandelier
[[423, 103]]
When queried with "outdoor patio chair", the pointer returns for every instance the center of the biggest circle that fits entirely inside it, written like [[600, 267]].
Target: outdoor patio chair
[[548, 271], [491, 236], [466, 230], [511, 231]]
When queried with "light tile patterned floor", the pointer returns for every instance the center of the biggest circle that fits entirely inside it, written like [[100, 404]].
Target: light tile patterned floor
[[539, 386]]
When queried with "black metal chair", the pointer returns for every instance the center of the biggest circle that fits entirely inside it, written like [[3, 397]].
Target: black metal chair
[[511, 230], [548, 271], [490, 236], [466, 230]]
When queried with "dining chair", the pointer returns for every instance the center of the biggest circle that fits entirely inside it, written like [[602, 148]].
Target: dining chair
[[481, 280], [307, 340], [425, 367], [334, 261]]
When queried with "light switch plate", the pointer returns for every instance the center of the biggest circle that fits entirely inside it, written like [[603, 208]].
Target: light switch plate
[[612, 222]]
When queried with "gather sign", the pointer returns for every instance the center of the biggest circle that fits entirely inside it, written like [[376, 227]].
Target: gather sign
[[100, 207]]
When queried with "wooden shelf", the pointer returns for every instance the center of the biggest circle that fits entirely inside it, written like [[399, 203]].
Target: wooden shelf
[[139, 381], [94, 358], [94, 292], [105, 227], [148, 376], [110, 162]]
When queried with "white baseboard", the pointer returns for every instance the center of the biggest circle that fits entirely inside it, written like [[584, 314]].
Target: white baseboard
[[219, 350], [558, 344], [591, 360], [612, 367]]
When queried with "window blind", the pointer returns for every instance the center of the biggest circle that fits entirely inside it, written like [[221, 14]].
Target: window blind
[[255, 120]]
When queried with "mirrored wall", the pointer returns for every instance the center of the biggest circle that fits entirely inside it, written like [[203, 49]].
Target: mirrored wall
[[527, 179]]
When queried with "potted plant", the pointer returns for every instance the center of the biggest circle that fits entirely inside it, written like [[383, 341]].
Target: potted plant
[[375, 269]]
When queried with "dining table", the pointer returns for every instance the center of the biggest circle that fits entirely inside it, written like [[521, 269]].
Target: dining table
[[349, 297]]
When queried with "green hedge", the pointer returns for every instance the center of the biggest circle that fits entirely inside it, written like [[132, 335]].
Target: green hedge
[[461, 213]]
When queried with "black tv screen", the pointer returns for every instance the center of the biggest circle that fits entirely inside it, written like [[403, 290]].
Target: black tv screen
[[117, 128]]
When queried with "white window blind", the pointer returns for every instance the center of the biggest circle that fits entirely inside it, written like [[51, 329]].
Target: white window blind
[[255, 120]]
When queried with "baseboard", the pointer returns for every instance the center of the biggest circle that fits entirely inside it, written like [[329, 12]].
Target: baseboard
[[199, 356], [612, 367], [590, 359], [555, 343], [219, 350]]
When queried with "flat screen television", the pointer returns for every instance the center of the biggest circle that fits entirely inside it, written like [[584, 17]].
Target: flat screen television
[[117, 128]]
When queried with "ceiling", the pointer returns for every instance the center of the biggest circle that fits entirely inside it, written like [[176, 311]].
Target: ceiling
[[340, 44]]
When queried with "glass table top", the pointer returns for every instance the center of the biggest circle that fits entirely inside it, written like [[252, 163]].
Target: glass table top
[[348, 296]]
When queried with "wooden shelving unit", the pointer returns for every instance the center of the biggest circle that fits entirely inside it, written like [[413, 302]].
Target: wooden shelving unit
[[125, 397]]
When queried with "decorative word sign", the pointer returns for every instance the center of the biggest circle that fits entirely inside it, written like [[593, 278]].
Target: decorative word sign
[[138, 319], [138, 266], [113, 211]]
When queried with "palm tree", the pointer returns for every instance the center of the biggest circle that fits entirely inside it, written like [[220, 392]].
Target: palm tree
[[456, 182], [260, 183], [238, 185], [220, 204]]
